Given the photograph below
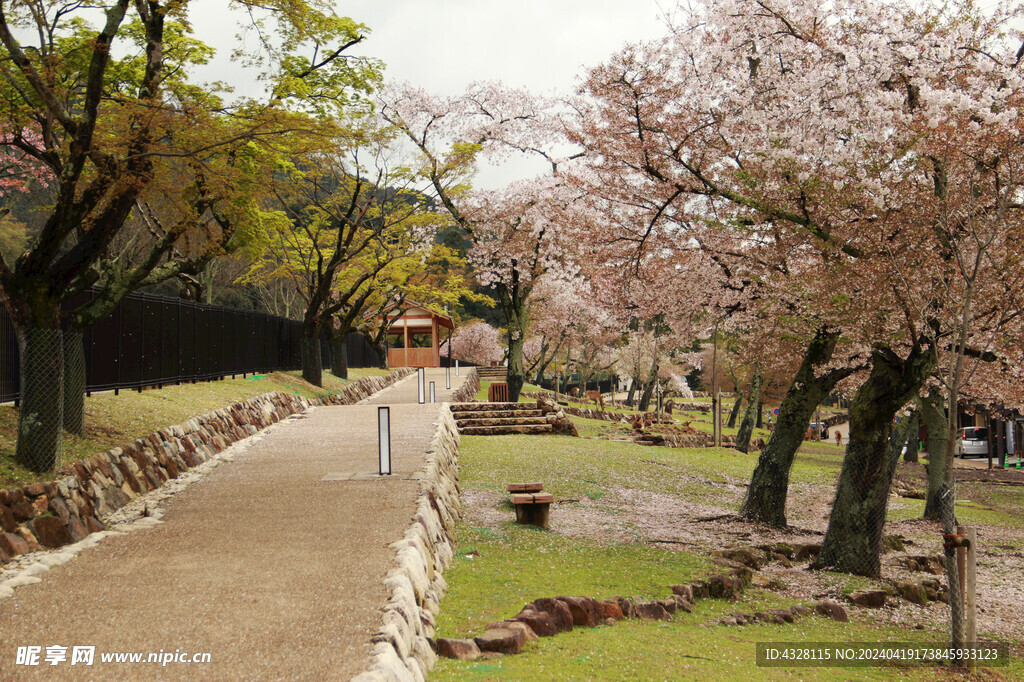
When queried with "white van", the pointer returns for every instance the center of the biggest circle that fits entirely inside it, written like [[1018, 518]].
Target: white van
[[973, 442]]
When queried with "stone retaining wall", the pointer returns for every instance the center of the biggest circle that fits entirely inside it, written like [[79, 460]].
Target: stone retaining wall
[[470, 387], [67, 509], [402, 646]]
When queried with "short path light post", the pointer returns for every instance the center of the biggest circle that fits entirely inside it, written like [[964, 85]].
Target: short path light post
[[432, 396], [448, 377], [421, 385], [384, 439]]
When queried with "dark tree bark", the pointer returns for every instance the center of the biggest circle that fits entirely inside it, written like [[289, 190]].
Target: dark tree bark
[[40, 422], [735, 412], [312, 367], [760, 418], [769, 484], [516, 374], [381, 348], [339, 356], [853, 541], [513, 302], [933, 413], [74, 382], [648, 392], [911, 442], [750, 416]]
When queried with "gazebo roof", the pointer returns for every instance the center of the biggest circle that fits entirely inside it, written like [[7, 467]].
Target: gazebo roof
[[418, 316]]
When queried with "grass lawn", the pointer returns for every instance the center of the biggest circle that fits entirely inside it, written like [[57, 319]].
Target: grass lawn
[[500, 566], [112, 420]]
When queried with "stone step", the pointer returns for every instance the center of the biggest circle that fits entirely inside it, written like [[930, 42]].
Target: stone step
[[494, 414], [486, 407], [507, 421], [503, 430]]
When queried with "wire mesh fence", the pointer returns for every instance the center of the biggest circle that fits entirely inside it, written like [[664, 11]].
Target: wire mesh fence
[[41, 420], [956, 610]]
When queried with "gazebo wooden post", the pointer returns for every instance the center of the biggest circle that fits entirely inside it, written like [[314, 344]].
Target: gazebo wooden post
[[405, 335], [436, 352]]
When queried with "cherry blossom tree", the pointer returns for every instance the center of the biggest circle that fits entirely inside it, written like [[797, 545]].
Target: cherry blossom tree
[[818, 146], [517, 234], [476, 343]]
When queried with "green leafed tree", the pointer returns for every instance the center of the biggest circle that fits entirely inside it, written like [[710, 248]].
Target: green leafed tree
[[103, 98]]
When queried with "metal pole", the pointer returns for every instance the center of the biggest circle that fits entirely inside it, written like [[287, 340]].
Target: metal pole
[[433, 397], [384, 439], [421, 385]]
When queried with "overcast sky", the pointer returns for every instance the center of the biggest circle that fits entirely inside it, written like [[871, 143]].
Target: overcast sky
[[443, 45]]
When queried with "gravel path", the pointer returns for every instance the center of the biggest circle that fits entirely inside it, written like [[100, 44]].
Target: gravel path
[[265, 565]]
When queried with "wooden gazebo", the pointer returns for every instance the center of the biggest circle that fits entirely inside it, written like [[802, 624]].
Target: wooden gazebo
[[410, 320]]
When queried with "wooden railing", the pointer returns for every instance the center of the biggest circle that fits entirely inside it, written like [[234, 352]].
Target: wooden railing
[[418, 357]]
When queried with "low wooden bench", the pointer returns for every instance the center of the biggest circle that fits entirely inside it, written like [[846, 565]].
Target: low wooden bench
[[525, 487], [532, 508]]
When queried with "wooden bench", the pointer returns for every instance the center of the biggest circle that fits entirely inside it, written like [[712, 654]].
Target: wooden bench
[[532, 508], [525, 487]]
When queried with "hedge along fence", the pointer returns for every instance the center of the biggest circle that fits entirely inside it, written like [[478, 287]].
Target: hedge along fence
[[66, 510]]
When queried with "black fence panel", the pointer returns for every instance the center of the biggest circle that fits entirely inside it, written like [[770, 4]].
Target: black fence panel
[[10, 372], [131, 356], [360, 352], [155, 340]]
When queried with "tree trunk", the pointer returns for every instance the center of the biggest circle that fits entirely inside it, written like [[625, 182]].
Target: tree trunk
[[516, 375], [760, 417], [652, 381], [542, 365], [312, 369], [911, 442], [769, 484], [339, 356], [853, 542], [750, 416], [735, 413], [382, 357], [74, 382], [513, 302], [40, 419], [933, 412]]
